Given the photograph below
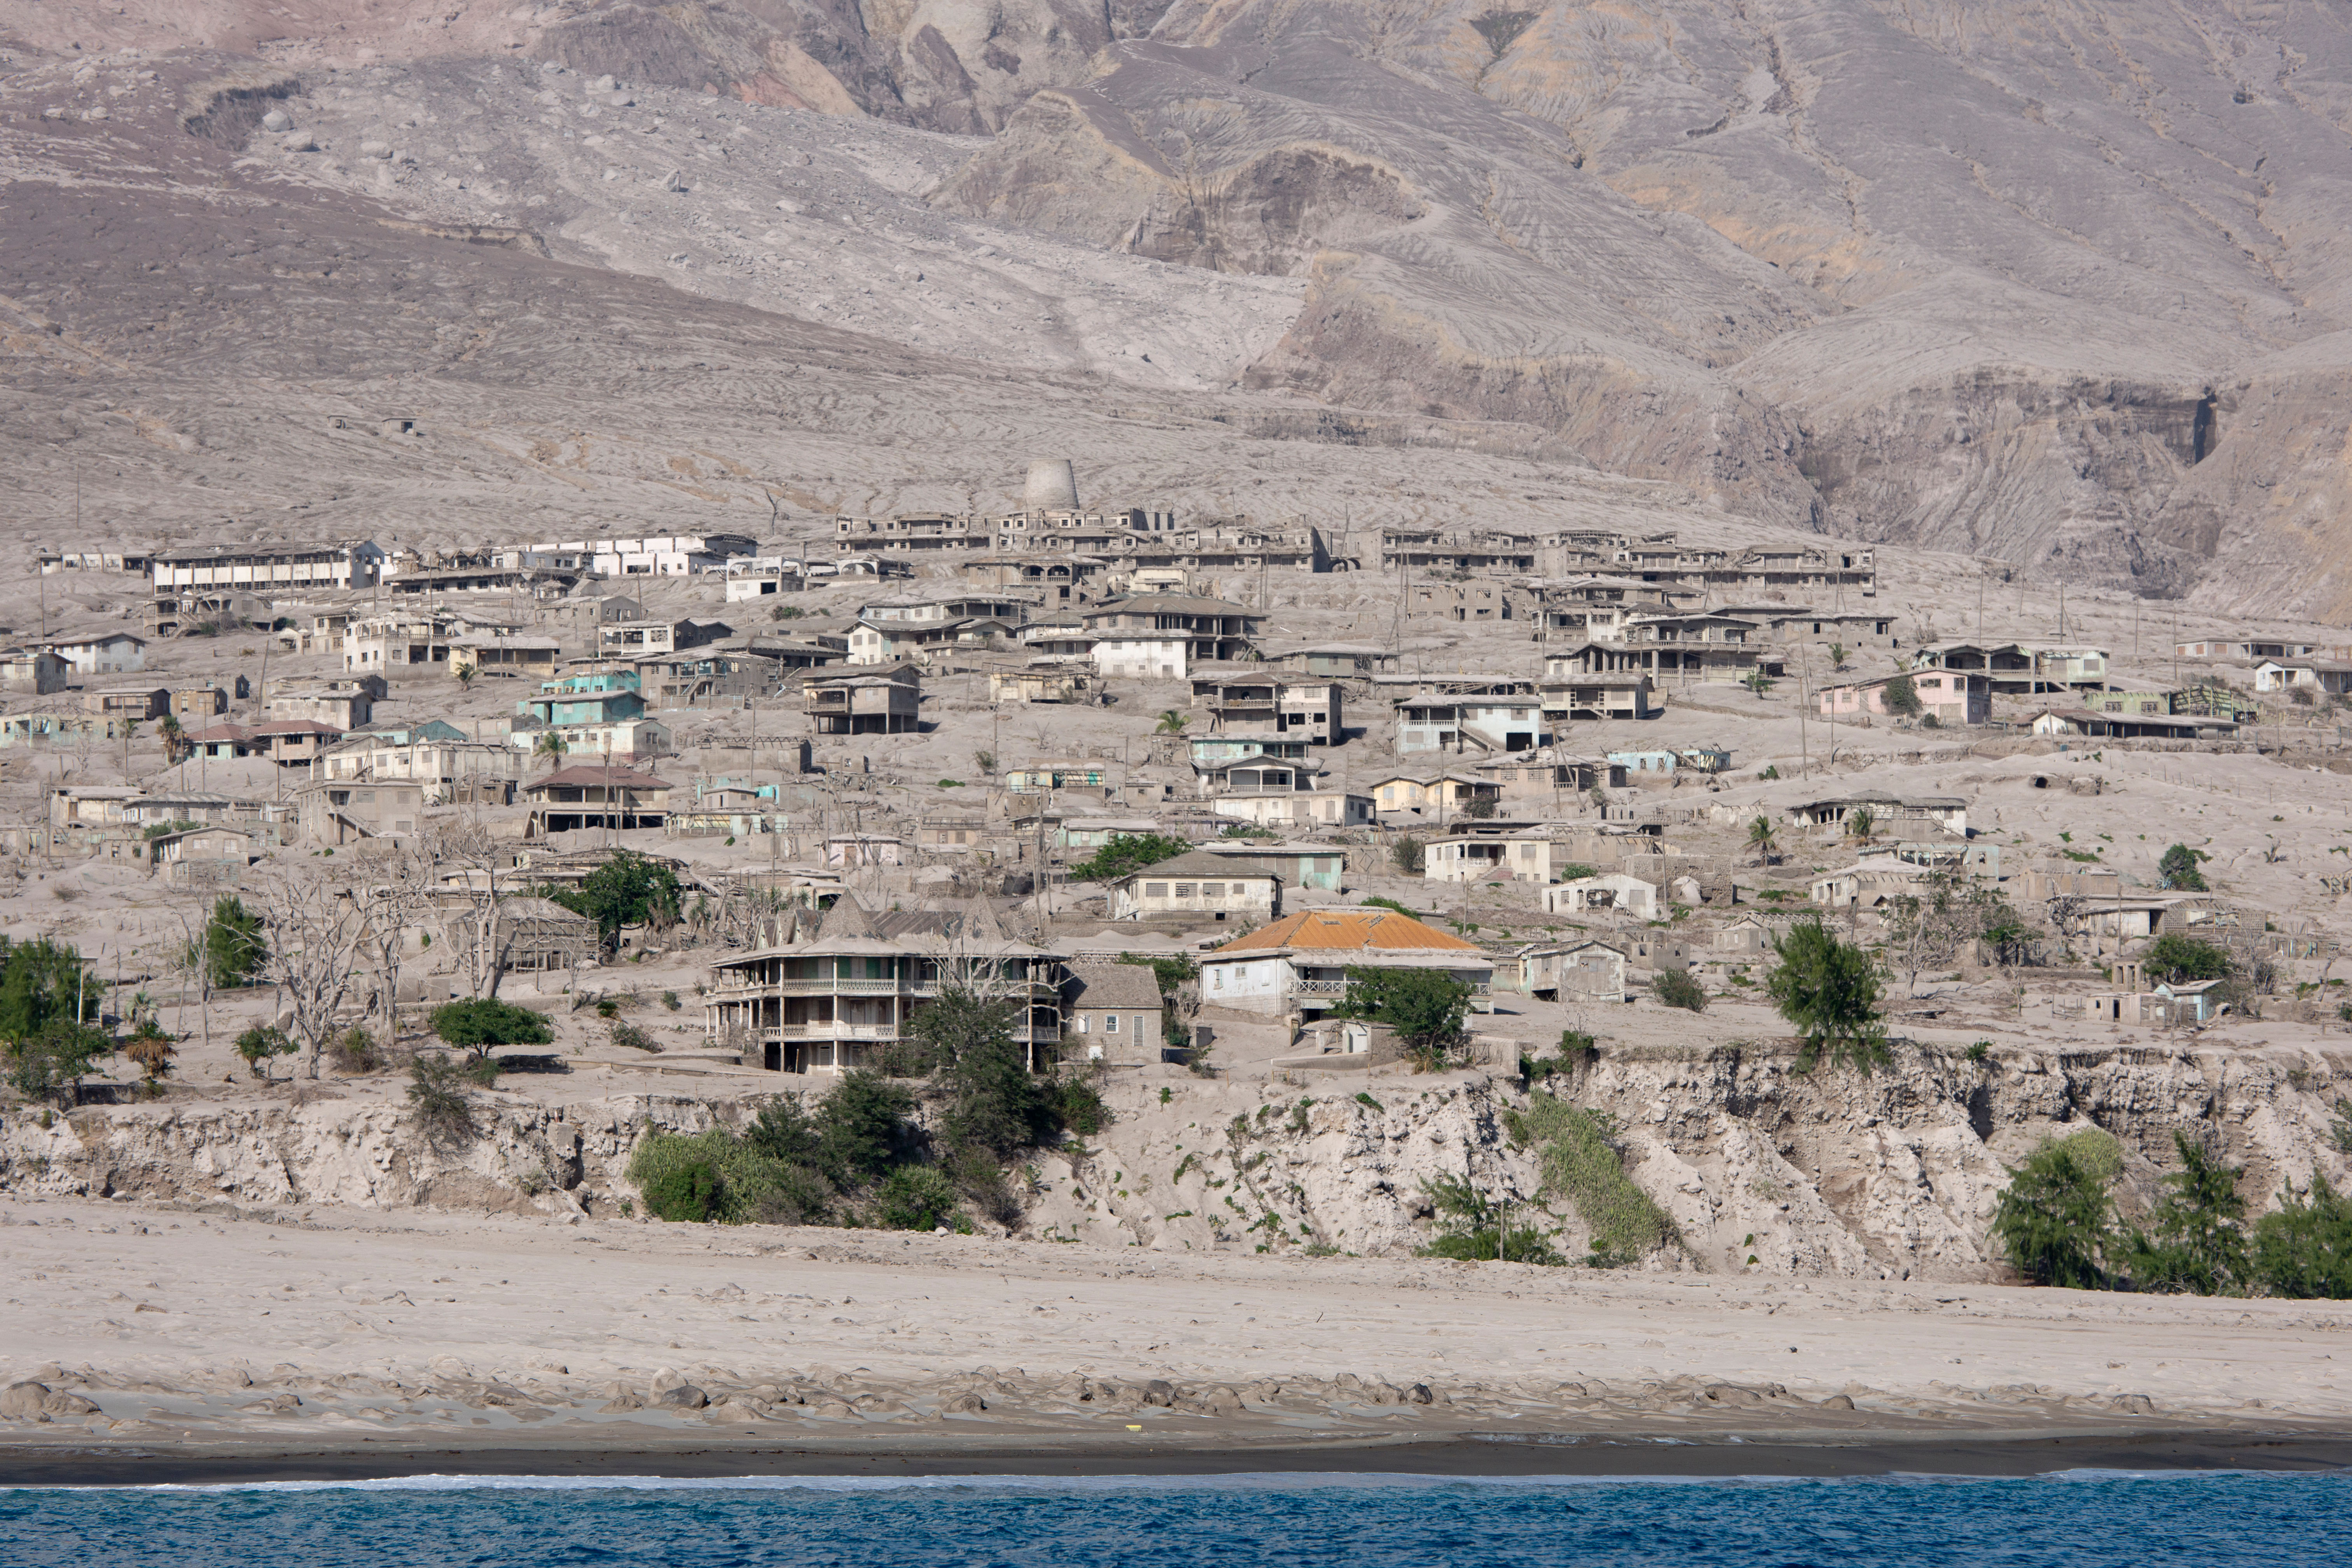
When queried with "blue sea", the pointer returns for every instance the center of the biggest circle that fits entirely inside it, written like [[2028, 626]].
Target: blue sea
[[2072, 1520]]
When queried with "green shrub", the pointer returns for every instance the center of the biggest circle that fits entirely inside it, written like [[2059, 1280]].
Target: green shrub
[[2195, 1241], [1580, 1165], [485, 1022], [355, 1051], [2178, 869], [670, 1001], [2053, 1220], [2305, 1250], [260, 1045], [1471, 1229], [1676, 988], [628, 1037], [687, 1192], [1080, 1104], [1426, 1007], [1829, 990], [2174, 959], [1123, 853], [915, 1197]]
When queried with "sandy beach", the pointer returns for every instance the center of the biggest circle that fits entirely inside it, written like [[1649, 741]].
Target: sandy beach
[[168, 1344]]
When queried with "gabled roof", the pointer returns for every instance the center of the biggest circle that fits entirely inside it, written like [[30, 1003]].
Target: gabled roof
[[1114, 985], [1351, 930]]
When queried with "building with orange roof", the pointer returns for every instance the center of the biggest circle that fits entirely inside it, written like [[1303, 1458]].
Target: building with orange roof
[[1299, 965]]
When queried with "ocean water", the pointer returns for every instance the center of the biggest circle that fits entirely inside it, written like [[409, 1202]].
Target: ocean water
[[2073, 1520]]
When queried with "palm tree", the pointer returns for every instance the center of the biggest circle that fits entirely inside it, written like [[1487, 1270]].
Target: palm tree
[[551, 746], [1860, 823], [1170, 722], [1763, 840], [1837, 656], [466, 673], [175, 741]]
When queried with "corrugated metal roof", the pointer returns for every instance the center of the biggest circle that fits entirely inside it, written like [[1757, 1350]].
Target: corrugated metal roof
[[1367, 931]]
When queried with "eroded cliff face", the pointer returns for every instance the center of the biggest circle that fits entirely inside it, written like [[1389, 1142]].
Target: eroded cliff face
[[1808, 1175]]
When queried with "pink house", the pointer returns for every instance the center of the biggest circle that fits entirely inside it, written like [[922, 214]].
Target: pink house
[[1953, 696]]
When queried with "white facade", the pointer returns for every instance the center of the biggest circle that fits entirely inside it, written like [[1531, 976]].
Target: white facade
[[742, 586], [354, 563], [1256, 985], [1225, 895], [1610, 890], [673, 555], [107, 653], [589, 743], [1299, 808], [1142, 657]]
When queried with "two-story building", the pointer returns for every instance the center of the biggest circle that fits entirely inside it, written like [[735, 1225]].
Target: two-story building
[[1199, 886], [870, 702]]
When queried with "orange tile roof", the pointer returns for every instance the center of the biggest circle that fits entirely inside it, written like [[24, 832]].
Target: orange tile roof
[[1367, 931]]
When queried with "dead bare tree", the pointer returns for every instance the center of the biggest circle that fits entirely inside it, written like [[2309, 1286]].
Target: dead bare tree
[[473, 848], [195, 960], [314, 930], [391, 908]]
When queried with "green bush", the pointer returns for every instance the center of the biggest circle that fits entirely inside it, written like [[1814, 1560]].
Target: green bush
[[1426, 1007], [2305, 1250], [484, 1022], [2178, 869], [1829, 991], [2196, 1240], [234, 949], [2174, 959], [628, 1037], [1580, 1165], [1078, 1102], [261, 1044], [686, 1192], [2054, 1218], [1125, 853], [916, 1198], [1676, 988]]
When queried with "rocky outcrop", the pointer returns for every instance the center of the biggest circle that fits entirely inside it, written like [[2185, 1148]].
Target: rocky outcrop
[[1893, 1176]]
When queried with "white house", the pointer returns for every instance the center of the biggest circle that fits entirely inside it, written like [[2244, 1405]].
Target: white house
[[1582, 971], [1610, 891], [1203, 887], [1300, 963], [99, 652], [1296, 808]]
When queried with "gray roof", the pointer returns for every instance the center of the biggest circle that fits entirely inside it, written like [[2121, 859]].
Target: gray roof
[[1194, 863], [1114, 985]]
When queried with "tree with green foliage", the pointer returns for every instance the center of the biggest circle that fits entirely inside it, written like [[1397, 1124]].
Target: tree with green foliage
[[2305, 1250], [2178, 869], [954, 1023], [2174, 960], [1758, 682], [262, 1044], [1426, 1007], [1900, 697], [1172, 722], [1763, 840], [1473, 1229], [1860, 823], [916, 1198], [1829, 991], [44, 982], [2053, 1220], [235, 948], [862, 1126], [1409, 855], [2195, 1240], [626, 891], [479, 1026], [56, 1058], [995, 1103], [1123, 854], [1676, 988]]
